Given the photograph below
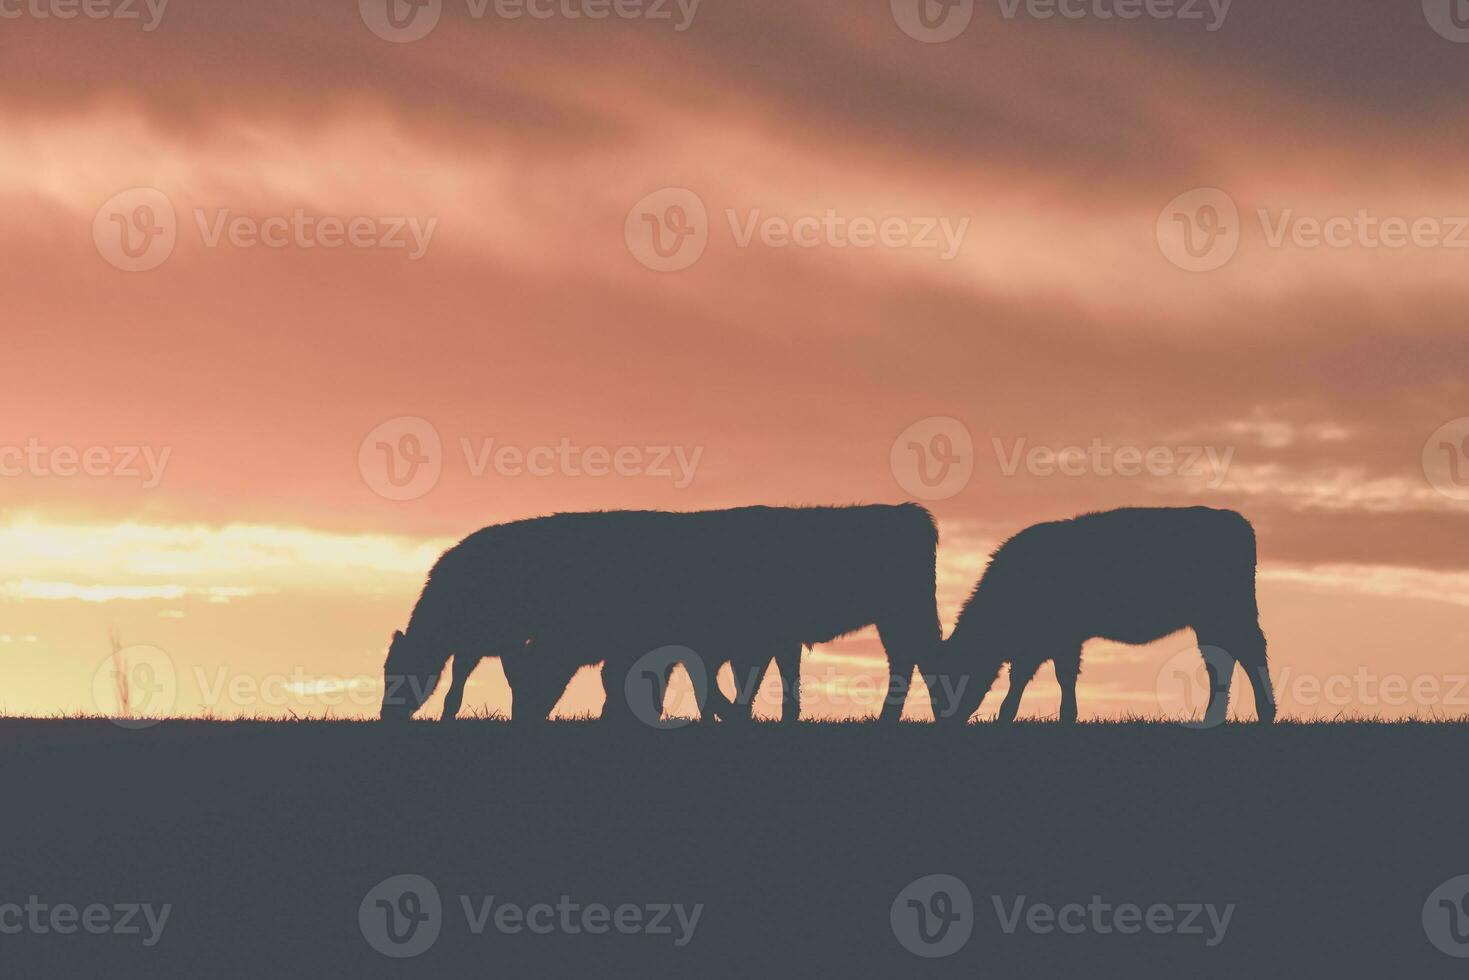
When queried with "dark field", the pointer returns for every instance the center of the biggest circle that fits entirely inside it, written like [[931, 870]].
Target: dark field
[[266, 838]]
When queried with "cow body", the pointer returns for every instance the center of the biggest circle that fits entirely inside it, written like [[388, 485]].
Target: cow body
[[552, 594], [1132, 575]]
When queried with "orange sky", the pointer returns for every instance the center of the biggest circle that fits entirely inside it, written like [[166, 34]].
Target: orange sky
[[515, 159]]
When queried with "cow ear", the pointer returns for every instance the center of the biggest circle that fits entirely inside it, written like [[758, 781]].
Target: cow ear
[[397, 635]]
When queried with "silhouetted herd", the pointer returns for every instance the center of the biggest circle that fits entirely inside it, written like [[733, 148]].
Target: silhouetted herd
[[747, 586]]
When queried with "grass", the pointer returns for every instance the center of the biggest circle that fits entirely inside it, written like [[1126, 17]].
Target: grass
[[266, 835]]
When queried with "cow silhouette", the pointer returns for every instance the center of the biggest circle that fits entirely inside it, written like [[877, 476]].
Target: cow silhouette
[[537, 683], [551, 594], [1132, 575]]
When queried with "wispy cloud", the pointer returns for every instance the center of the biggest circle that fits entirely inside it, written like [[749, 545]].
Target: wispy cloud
[[60, 591], [1376, 580]]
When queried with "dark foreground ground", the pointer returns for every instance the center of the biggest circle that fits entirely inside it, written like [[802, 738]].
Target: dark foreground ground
[[266, 838]]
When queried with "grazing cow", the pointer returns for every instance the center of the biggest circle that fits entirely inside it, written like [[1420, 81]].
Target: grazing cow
[[552, 594], [1132, 575]]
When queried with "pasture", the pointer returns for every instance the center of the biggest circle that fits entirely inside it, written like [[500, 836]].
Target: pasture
[[1324, 841]]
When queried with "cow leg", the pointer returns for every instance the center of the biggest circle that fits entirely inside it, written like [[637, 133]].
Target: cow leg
[[907, 645], [716, 706], [1257, 665], [653, 682], [1219, 671], [520, 675], [1068, 669], [1021, 671], [1221, 649], [615, 709], [537, 680], [747, 676], [464, 665], [788, 662]]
